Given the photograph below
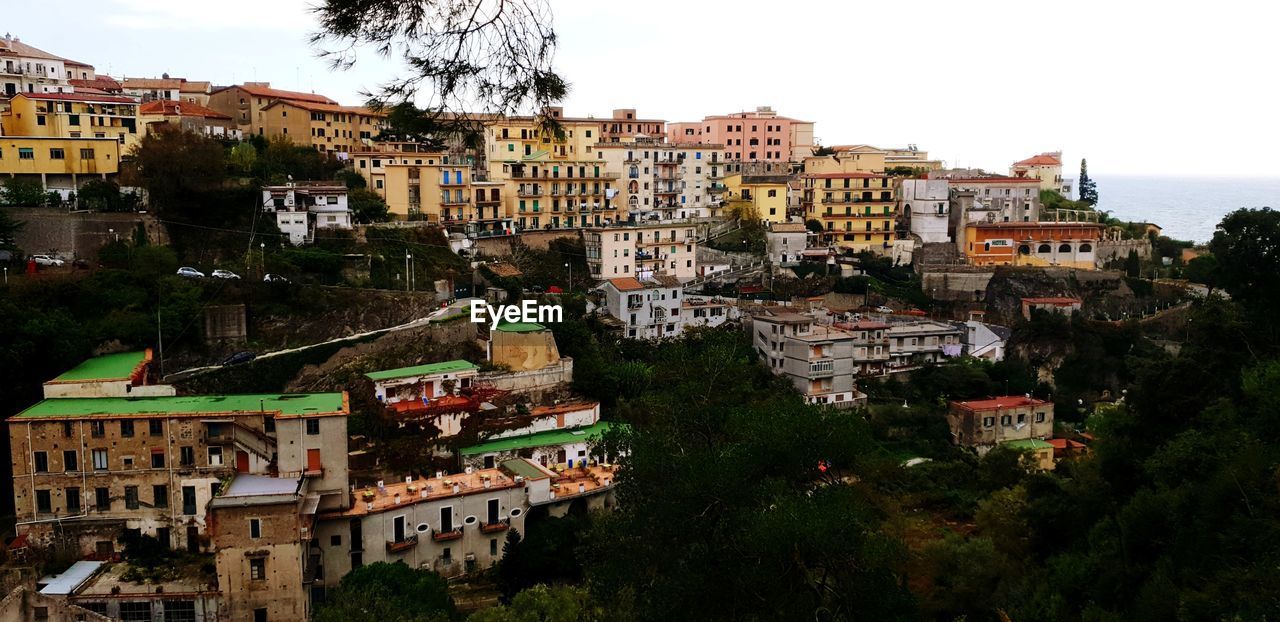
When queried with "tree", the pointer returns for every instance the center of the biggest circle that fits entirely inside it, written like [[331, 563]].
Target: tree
[[545, 604], [1088, 188], [242, 158], [1203, 269], [485, 56], [367, 207], [1247, 247], [813, 225], [174, 165], [384, 592], [21, 191], [1133, 264], [102, 195], [351, 179], [10, 227]]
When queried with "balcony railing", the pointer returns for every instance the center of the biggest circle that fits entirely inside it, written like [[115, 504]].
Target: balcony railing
[[495, 527], [445, 536], [835, 199], [403, 545], [456, 201]]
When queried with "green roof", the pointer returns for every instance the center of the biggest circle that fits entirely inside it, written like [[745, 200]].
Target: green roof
[[521, 327], [286, 404], [1029, 444], [538, 439], [422, 370], [523, 469], [107, 367]]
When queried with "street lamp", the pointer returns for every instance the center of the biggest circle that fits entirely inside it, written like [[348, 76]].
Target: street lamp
[[406, 271], [113, 233], [570, 267], [262, 249]]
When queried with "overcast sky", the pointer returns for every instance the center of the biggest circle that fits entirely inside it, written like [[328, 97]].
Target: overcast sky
[[1136, 87]]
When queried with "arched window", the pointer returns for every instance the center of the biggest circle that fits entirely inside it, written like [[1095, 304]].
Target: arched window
[[1024, 250], [633, 200], [1044, 248], [1064, 248], [1086, 248]]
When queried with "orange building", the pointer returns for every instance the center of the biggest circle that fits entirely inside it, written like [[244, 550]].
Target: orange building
[[1069, 244]]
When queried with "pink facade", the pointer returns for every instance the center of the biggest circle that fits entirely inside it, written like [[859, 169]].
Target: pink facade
[[760, 136]]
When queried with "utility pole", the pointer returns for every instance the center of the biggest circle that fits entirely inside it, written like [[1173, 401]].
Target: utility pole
[[406, 271]]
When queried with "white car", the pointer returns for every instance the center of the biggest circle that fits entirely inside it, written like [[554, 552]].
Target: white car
[[883, 309], [225, 274], [190, 273], [46, 260]]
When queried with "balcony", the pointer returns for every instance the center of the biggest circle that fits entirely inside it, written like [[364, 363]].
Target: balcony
[[403, 545], [490, 201], [456, 201], [497, 527], [714, 188], [835, 199], [672, 190], [822, 369], [529, 192], [446, 536], [445, 182]]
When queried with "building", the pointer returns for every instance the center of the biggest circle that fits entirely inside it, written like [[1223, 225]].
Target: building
[[784, 242], [817, 359], [916, 343], [189, 116], [763, 197], [59, 164], [665, 181], [625, 127], [437, 187], [758, 136], [991, 198], [555, 436], [927, 205], [422, 382], [985, 341], [1061, 305], [1046, 168], [643, 251], [125, 374], [701, 311], [858, 210], [649, 309], [73, 115], [325, 127], [521, 346], [24, 604], [110, 591], [870, 347], [85, 469], [27, 69], [982, 424], [246, 102], [152, 89], [1039, 450], [910, 158], [304, 207], [1068, 244]]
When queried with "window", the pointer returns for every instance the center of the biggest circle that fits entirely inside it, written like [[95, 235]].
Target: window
[[57, 154], [155, 427], [99, 608], [260, 615], [1006, 420], [255, 528], [1039, 417], [215, 456], [189, 500], [258, 570], [41, 460], [135, 611], [70, 460], [313, 427], [97, 429], [269, 425], [86, 154], [157, 458], [44, 503], [126, 428], [99, 459], [73, 500], [187, 456], [160, 496], [130, 497], [179, 611], [41, 614], [493, 546], [335, 540], [102, 499], [40, 120]]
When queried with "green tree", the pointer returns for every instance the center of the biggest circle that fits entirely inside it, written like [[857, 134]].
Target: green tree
[[242, 158], [10, 227], [388, 592], [1203, 269], [546, 604], [1247, 247], [21, 191], [366, 206], [101, 195], [1133, 264], [1088, 188], [813, 225], [174, 165], [351, 179]]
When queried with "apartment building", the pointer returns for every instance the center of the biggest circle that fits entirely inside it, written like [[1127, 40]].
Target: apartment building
[[85, 468], [858, 210], [916, 343], [1045, 167], [785, 242], [152, 89], [27, 69], [625, 126], [555, 436], [927, 204], [817, 359], [643, 251], [73, 115], [59, 164], [303, 208], [246, 104], [421, 182], [328, 128], [124, 374], [761, 135], [648, 309], [982, 424], [764, 196], [1068, 244], [991, 198], [910, 157], [188, 116], [665, 181], [870, 346]]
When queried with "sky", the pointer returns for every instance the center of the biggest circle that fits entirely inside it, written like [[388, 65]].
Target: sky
[[1138, 88]]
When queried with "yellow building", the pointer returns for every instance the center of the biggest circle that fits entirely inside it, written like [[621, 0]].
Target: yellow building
[[328, 128], [858, 210], [73, 115], [762, 195], [1047, 167], [59, 163], [246, 103], [434, 186], [848, 159], [910, 157]]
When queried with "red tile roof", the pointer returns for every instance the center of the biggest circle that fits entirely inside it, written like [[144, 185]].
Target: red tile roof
[[182, 109], [1066, 443], [79, 97], [1043, 159], [152, 83], [858, 175], [1008, 401], [14, 47], [320, 107], [626, 284], [994, 179], [265, 91], [103, 83]]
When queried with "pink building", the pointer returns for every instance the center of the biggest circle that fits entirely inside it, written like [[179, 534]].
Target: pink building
[[760, 136]]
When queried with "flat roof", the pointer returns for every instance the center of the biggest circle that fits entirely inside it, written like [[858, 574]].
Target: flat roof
[[1007, 401], [245, 485], [287, 404], [70, 579], [538, 439], [1029, 443], [119, 366], [523, 468], [521, 327], [422, 370]]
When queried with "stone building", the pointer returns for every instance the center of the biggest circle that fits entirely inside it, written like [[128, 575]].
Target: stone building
[[982, 424]]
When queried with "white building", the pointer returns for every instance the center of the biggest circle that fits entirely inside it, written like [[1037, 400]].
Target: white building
[[28, 69], [927, 202], [643, 251], [985, 341], [302, 208], [664, 181], [784, 242], [817, 359], [649, 309], [912, 344]]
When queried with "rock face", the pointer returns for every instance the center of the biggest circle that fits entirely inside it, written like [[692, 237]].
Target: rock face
[[1009, 285]]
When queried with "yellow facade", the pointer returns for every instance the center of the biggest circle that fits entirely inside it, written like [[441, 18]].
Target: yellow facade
[[59, 162], [328, 128], [764, 196], [848, 159], [857, 210], [435, 187], [71, 115]]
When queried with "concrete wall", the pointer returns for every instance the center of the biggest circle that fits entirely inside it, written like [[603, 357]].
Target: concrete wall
[[534, 380], [281, 590], [21, 604], [292, 443], [1108, 250], [957, 283], [79, 235]]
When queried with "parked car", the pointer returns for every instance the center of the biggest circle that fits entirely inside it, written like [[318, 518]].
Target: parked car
[[883, 309], [190, 273], [274, 278], [82, 264], [46, 260], [225, 274], [238, 358]]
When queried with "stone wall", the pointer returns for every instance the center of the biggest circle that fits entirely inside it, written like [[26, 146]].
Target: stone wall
[[957, 283], [533, 381], [80, 234], [1119, 249]]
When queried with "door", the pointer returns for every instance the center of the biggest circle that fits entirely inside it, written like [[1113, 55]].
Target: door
[[397, 528], [493, 512], [313, 460], [242, 461], [193, 539], [446, 519]]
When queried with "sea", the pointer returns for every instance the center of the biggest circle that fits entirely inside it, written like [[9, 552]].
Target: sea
[[1186, 208]]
